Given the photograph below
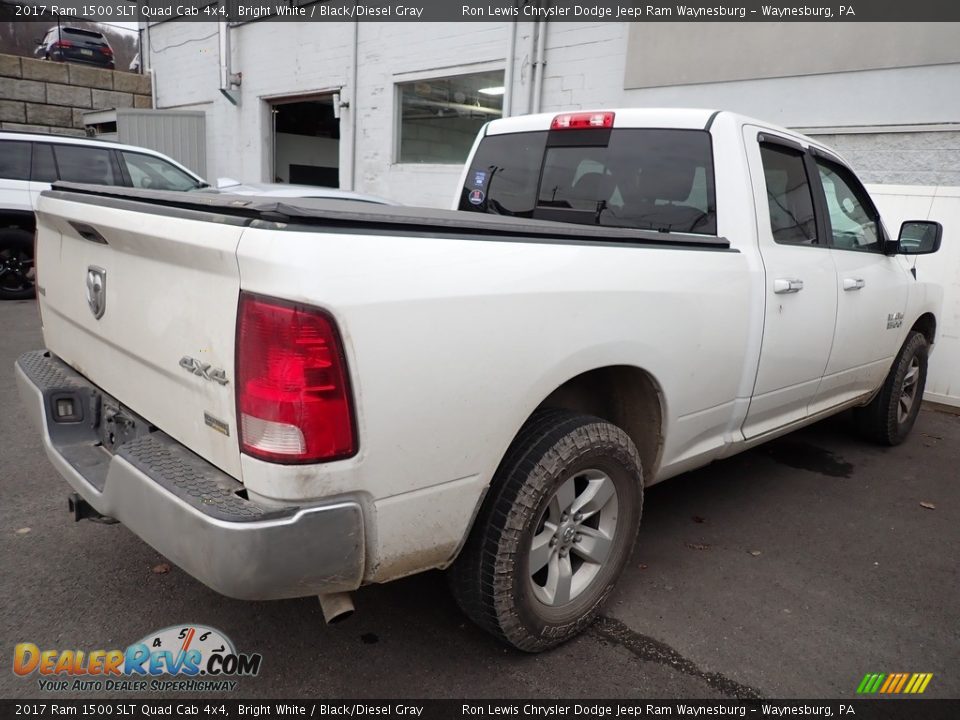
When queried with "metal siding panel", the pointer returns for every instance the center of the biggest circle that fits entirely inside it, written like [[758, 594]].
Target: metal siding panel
[[180, 135]]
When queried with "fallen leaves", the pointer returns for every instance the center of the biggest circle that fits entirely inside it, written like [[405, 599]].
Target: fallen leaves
[[697, 546], [698, 519], [756, 553], [928, 505], [161, 569], [23, 531]]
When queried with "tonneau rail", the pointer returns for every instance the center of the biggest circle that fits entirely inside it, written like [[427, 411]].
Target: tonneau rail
[[335, 215]]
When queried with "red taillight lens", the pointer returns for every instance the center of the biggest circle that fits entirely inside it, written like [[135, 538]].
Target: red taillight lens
[[578, 121], [63, 44], [293, 396], [107, 50]]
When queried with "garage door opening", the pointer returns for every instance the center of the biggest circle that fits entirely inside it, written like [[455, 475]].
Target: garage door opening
[[306, 141]]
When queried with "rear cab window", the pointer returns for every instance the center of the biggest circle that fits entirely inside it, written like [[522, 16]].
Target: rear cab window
[[652, 179]]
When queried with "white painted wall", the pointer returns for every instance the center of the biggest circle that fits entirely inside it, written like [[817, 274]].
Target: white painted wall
[[910, 202], [585, 67]]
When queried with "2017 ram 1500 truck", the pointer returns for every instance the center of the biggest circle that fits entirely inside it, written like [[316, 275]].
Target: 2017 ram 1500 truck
[[290, 398]]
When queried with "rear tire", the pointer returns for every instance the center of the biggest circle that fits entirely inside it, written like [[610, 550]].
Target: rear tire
[[890, 416], [555, 532], [17, 274]]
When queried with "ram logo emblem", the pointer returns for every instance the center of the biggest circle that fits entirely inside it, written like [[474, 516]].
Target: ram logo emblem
[[894, 320], [204, 370]]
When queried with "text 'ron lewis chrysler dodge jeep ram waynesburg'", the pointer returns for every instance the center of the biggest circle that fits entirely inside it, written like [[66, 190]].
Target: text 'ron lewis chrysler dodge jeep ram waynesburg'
[[293, 397]]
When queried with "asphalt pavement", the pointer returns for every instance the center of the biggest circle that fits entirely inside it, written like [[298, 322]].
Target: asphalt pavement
[[787, 571]]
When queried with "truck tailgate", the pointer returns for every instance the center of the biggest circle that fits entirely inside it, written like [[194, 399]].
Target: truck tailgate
[[164, 343]]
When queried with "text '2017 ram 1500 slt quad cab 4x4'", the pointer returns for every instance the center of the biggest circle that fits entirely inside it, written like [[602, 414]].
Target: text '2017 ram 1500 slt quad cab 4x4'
[[291, 398]]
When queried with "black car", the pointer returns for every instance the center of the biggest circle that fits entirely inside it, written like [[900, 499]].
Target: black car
[[69, 44]]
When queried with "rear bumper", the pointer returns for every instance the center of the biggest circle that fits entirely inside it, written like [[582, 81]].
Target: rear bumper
[[75, 56], [187, 509]]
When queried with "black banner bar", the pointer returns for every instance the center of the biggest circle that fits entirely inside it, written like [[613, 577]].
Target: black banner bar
[[916, 709], [481, 10]]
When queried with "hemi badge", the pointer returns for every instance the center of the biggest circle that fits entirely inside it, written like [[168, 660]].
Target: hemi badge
[[219, 425]]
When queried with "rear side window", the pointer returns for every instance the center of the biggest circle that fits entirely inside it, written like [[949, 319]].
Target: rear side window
[[86, 165], [640, 178], [153, 173], [14, 160], [792, 220]]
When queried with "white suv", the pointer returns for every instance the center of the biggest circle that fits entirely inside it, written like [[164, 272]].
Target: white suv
[[29, 163]]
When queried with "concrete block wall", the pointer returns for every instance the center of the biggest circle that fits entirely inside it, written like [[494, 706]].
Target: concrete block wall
[[51, 97], [901, 158]]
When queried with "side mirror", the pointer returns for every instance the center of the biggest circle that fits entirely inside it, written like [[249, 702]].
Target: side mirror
[[919, 237]]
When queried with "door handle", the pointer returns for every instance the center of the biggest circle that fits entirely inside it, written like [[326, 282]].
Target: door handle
[[853, 283], [787, 285]]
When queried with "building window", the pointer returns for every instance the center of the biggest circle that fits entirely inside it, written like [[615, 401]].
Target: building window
[[440, 117]]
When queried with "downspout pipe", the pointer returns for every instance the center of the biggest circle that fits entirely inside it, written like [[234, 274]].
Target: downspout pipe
[[531, 59], [223, 33], [354, 74], [508, 74], [538, 67], [228, 79]]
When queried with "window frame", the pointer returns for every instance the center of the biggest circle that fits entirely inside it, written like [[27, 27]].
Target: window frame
[[824, 239], [115, 164], [402, 79]]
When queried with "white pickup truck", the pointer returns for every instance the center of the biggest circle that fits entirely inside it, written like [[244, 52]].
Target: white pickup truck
[[300, 397]]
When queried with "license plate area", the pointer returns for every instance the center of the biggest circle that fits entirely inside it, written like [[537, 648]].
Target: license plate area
[[86, 52], [118, 425]]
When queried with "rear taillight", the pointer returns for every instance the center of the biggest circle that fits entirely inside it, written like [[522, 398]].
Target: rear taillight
[[63, 44], [107, 50], [293, 395], [579, 121]]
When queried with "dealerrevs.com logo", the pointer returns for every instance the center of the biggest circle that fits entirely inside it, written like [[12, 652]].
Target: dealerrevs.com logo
[[199, 658]]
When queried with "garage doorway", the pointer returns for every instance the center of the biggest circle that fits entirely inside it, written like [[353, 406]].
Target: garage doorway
[[306, 141]]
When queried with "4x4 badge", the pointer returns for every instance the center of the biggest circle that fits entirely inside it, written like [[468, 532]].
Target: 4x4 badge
[[97, 290], [204, 370]]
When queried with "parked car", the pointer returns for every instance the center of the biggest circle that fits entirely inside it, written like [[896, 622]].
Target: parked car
[[301, 398], [229, 186], [71, 44], [30, 162]]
